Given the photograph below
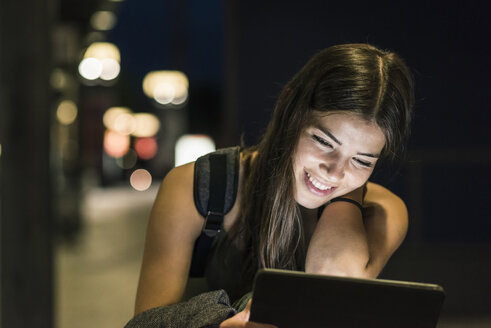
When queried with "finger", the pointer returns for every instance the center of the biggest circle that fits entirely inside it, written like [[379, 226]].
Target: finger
[[247, 310]]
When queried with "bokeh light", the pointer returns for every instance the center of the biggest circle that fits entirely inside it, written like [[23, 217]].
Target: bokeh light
[[66, 113], [124, 123], [164, 93], [146, 148], [90, 68], [141, 180], [103, 50], [103, 20], [190, 147], [101, 60], [147, 125], [116, 144], [110, 69], [111, 115], [181, 94], [128, 160], [58, 79], [166, 87]]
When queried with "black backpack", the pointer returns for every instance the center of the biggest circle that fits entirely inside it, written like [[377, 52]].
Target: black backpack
[[215, 190]]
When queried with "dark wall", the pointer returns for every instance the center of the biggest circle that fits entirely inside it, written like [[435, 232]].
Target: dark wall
[[443, 45], [26, 250], [444, 179]]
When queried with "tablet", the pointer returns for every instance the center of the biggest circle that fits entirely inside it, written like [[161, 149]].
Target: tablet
[[291, 299]]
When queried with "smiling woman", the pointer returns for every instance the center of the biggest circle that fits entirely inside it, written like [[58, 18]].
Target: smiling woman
[[300, 190], [335, 156]]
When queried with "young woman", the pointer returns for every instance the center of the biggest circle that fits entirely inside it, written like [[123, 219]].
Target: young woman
[[303, 199]]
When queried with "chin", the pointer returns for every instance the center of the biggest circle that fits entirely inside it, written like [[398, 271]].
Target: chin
[[310, 204]]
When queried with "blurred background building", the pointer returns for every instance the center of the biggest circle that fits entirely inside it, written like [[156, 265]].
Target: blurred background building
[[99, 99]]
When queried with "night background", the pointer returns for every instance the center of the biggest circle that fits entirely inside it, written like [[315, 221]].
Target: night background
[[237, 56]]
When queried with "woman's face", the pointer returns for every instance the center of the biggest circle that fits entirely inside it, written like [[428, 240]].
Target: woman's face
[[334, 156]]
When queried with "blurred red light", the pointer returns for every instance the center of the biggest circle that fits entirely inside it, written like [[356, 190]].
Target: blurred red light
[[146, 148]]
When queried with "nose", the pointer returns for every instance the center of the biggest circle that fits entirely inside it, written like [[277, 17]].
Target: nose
[[334, 170]]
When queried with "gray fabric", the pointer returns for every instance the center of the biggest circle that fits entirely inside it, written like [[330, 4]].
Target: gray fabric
[[202, 311], [202, 173]]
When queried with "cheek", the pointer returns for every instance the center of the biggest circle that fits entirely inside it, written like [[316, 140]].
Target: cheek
[[359, 178], [304, 153]]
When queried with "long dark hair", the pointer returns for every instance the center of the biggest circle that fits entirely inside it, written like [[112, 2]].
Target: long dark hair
[[356, 78]]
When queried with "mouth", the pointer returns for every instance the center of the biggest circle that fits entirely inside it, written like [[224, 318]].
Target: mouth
[[317, 187]]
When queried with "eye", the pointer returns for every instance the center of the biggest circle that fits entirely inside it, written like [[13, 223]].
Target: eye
[[363, 163], [322, 141]]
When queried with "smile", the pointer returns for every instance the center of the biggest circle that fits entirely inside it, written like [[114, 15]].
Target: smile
[[316, 186]]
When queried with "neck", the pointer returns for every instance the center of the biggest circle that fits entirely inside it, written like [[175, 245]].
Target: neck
[[309, 221]]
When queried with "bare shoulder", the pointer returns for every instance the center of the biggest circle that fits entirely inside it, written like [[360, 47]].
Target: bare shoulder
[[378, 192], [175, 200], [380, 197], [172, 230], [386, 223]]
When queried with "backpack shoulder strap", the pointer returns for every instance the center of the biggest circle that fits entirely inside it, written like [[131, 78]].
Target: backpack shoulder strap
[[216, 180], [215, 189]]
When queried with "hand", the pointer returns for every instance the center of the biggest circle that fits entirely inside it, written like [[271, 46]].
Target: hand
[[241, 320]]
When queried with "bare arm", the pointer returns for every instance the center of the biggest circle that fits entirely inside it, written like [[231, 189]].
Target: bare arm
[[346, 244], [172, 230]]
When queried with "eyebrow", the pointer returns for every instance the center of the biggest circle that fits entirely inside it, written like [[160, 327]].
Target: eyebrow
[[328, 133], [369, 155]]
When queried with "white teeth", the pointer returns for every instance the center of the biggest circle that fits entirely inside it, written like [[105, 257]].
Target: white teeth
[[317, 184]]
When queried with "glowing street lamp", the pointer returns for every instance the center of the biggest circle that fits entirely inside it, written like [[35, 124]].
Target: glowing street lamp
[[166, 87]]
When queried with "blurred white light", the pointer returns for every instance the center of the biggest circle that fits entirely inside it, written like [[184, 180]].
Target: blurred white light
[[124, 123], [164, 93], [103, 50], [190, 147], [103, 20], [66, 112], [141, 179], [110, 69], [183, 96], [166, 86], [90, 68], [110, 116], [147, 125]]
